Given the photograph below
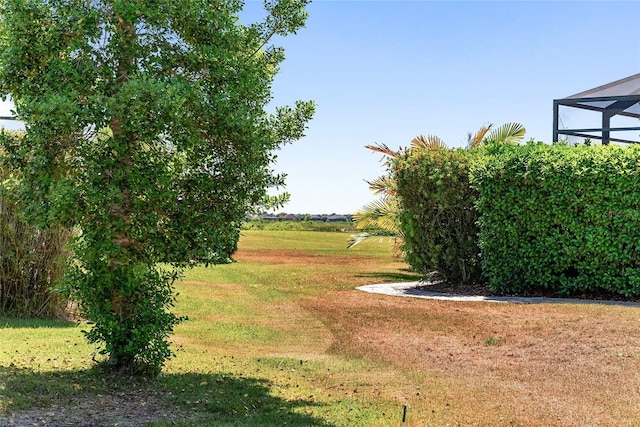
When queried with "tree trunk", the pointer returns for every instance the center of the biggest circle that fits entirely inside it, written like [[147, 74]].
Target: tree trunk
[[121, 210]]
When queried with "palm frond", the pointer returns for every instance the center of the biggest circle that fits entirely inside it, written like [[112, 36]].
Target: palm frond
[[511, 133], [476, 140], [429, 142], [382, 148], [469, 138], [358, 238], [383, 185], [381, 214], [398, 242]]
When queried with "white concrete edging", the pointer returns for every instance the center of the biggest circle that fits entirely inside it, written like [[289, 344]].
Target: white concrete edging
[[409, 289]]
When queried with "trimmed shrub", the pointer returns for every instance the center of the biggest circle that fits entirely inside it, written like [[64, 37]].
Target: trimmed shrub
[[438, 217], [560, 218]]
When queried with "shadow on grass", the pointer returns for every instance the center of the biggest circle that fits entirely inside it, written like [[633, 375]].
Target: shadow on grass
[[92, 398], [398, 277], [15, 323]]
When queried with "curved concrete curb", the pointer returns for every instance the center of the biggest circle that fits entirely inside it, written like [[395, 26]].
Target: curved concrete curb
[[409, 289]]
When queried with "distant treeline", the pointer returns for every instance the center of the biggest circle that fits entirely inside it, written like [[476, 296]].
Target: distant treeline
[[298, 225], [302, 217]]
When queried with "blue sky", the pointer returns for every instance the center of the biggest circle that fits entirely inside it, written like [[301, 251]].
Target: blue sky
[[387, 71]]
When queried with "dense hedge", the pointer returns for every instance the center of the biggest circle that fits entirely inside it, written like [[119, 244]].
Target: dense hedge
[[566, 219], [438, 217]]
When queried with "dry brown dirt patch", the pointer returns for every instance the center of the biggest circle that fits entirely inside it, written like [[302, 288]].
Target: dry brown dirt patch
[[551, 364]]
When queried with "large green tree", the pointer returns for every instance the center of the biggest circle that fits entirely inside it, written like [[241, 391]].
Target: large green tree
[[147, 130]]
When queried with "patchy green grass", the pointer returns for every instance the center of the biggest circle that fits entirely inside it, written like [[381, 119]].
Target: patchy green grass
[[248, 355], [45, 345], [282, 338]]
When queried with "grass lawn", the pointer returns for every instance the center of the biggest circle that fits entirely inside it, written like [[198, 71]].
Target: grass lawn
[[282, 338]]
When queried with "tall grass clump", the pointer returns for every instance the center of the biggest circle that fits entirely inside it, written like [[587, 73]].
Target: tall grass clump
[[31, 258]]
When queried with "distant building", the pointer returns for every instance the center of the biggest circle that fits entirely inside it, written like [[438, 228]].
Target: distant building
[[269, 217], [296, 217]]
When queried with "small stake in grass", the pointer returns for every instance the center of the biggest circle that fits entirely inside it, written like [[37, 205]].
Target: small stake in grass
[[404, 416]]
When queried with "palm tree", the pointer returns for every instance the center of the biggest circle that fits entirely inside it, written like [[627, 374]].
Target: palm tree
[[382, 214], [509, 133]]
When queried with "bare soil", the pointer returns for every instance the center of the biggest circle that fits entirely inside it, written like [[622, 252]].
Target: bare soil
[[132, 408]]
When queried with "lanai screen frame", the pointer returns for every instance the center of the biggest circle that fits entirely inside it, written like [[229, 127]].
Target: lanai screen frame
[[618, 98]]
